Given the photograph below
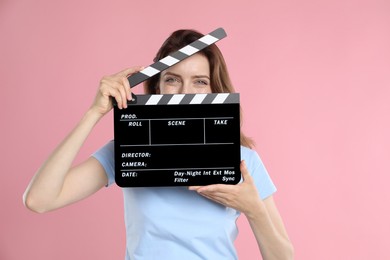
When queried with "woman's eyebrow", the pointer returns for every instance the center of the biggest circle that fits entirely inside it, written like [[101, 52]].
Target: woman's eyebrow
[[201, 76], [179, 76], [172, 74]]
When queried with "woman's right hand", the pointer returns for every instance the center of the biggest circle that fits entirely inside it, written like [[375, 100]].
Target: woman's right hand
[[116, 86]]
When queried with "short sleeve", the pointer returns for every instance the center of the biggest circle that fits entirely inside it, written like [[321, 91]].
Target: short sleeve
[[105, 156], [257, 170]]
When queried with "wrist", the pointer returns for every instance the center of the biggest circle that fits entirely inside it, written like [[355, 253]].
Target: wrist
[[93, 115], [257, 210]]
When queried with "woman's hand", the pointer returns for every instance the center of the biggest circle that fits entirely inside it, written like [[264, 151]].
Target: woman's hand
[[116, 86], [263, 216], [243, 197]]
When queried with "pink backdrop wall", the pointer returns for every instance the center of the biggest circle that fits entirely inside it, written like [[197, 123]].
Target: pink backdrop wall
[[315, 83]]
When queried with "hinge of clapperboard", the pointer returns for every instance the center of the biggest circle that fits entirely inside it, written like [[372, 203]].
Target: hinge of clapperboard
[[175, 57]]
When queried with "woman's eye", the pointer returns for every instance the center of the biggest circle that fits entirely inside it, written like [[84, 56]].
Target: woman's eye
[[171, 80], [202, 82]]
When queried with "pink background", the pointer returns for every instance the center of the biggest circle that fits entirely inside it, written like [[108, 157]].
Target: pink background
[[314, 78]]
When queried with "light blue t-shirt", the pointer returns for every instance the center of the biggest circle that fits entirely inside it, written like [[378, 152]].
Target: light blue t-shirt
[[176, 223]]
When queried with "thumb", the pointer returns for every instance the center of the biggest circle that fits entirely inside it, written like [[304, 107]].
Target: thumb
[[244, 170]]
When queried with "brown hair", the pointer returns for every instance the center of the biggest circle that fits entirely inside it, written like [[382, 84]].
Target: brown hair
[[219, 77]]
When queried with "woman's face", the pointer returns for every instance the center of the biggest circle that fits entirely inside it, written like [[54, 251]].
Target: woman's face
[[190, 76]]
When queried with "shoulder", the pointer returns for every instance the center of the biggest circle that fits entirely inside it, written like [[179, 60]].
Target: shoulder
[[105, 156], [251, 158], [258, 171], [106, 150], [245, 151]]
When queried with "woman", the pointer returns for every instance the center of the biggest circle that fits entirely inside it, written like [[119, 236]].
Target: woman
[[167, 222]]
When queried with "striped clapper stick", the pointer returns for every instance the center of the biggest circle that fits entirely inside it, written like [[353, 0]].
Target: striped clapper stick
[[177, 56], [178, 140]]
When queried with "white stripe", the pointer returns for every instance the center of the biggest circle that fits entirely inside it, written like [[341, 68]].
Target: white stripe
[[176, 99], [220, 98], [169, 60], [208, 39], [149, 71], [189, 50], [198, 99], [153, 100]]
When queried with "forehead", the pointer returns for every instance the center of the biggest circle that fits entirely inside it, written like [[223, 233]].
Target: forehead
[[197, 63]]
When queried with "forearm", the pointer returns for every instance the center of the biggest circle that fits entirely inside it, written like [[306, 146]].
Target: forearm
[[272, 243], [47, 183]]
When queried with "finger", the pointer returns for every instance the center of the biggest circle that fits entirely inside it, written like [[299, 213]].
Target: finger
[[121, 86], [195, 188], [117, 96], [222, 188], [126, 84], [127, 72], [107, 92]]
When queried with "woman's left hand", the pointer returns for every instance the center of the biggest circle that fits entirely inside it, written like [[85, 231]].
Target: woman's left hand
[[243, 197]]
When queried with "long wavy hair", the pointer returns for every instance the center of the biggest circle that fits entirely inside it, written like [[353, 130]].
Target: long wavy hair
[[219, 77]]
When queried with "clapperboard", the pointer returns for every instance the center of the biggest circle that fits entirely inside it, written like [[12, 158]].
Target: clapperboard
[[180, 139]]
